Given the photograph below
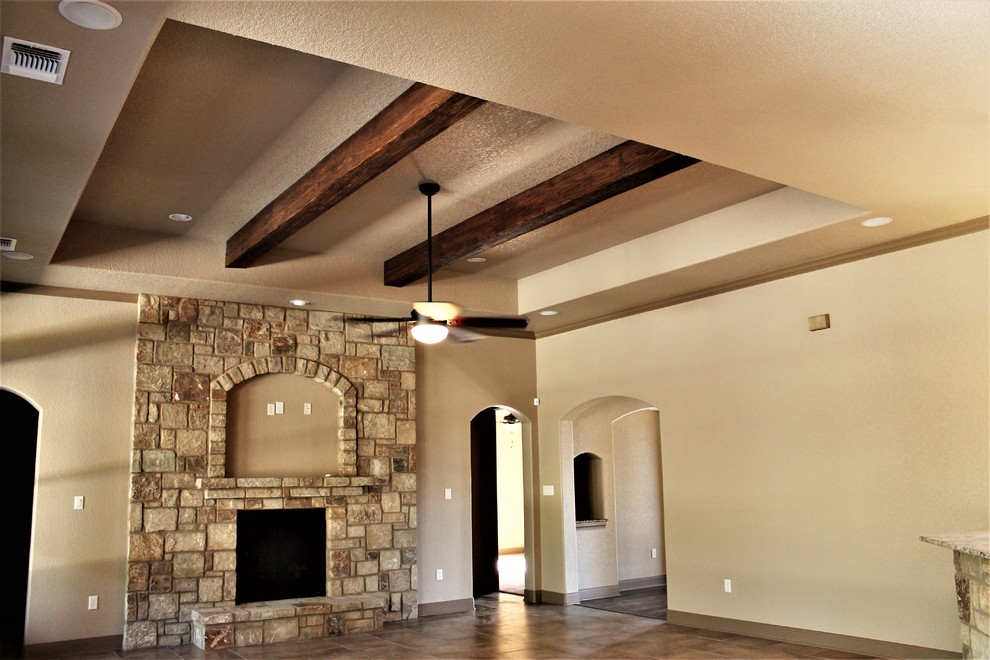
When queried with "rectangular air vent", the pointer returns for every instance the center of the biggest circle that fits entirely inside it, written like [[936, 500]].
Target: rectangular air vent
[[7, 244], [31, 60]]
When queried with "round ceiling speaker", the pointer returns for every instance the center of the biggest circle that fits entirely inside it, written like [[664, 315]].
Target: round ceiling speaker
[[91, 14]]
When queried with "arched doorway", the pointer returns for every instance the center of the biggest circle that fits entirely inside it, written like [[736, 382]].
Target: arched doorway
[[22, 439], [500, 521], [623, 547]]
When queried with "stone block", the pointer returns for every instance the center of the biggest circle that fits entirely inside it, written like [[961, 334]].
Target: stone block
[[146, 487], [145, 547], [171, 352], [222, 536], [399, 358], [158, 460], [140, 635], [184, 541], [360, 368], [405, 432], [405, 538], [153, 378], [361, 514], [218, 637], [379, 425], [379, 537], [163, 606], [250, 634], [210, 589], [189, 564], [404, 482], [191, 387], [174, 415], [281, 630], [160, 519], [191, 442]]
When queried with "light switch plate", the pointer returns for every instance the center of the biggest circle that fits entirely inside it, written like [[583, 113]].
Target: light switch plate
[[447, 493], [279, 407], [79, 502], [271, 409], [548, 490]]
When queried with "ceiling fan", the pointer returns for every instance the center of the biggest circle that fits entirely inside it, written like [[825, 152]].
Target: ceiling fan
[[433, 321]]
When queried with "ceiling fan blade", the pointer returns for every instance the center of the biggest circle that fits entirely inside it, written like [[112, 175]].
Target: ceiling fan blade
[[515, 322], [462, 335], [413, 316]]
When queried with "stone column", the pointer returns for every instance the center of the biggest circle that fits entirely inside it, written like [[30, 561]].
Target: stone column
[[971, 556]]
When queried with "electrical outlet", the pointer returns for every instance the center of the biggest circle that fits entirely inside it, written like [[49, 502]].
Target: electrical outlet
[[439, 574], [728, 586], [94, 602], [307, 408]]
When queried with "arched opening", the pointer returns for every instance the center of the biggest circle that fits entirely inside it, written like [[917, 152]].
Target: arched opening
[[21, 438], [500, 521], [612, 500]]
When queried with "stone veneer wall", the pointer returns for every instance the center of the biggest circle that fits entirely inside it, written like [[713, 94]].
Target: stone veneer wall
[[973, 598], [183, 507]]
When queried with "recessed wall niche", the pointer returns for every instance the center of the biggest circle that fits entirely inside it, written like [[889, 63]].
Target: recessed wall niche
[[301, 437]]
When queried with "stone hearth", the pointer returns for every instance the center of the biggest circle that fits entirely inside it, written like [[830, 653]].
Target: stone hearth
[[182, 550]]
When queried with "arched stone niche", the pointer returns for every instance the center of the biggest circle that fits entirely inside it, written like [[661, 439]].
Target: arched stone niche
[[320, 373]]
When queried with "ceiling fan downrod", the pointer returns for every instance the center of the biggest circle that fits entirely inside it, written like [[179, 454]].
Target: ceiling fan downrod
[[429, 188]]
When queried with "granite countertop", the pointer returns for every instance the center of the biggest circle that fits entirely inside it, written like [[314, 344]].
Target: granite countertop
[[970, 543]]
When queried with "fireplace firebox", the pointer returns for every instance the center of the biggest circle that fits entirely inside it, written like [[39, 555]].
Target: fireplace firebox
[[281, 554]]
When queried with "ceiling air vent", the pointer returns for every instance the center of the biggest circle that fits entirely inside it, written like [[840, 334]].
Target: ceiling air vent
[[7, 244], [31, 60]]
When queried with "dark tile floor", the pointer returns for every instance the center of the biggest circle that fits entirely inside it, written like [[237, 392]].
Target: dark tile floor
[[502, 626], [650, 602]]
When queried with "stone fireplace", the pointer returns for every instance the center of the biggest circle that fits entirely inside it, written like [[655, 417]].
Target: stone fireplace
[[182, 557]]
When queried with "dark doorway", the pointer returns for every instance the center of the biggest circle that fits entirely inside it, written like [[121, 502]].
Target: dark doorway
[[21, 439], [484, 503], [281, 554]]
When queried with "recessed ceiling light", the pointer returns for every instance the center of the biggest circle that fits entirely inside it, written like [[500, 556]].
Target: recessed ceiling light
[[18, 256], [91, 14], [476, 260], [877, 222], [180, 217], [299, 302], [549, 312]]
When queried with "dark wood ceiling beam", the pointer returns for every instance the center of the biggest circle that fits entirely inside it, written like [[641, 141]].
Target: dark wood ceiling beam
[[611, 173], [418, 115]]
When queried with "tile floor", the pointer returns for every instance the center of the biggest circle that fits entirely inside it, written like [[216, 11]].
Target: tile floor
[[502, 626]]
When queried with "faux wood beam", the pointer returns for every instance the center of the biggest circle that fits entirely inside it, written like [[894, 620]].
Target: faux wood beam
[[611, 173], [418, 115]]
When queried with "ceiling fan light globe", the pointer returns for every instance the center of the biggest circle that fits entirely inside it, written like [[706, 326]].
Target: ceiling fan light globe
[[426, 332], [437, 310]]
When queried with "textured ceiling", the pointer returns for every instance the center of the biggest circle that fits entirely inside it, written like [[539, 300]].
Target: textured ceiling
[[213, 109]]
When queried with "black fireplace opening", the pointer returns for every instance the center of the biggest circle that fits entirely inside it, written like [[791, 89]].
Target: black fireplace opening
[[281, 553]]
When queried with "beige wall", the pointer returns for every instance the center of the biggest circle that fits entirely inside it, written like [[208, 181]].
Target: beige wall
[[509, 471], [292, 443], [74, 359], [804, 466], [456, 382], [638, 495]]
